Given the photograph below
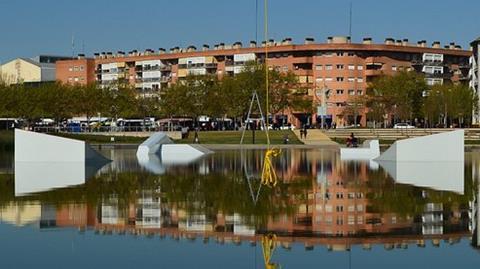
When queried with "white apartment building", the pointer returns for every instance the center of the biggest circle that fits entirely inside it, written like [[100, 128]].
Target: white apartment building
[[474, 73]]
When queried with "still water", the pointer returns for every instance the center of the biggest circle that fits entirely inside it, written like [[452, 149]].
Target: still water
[[213, 213]]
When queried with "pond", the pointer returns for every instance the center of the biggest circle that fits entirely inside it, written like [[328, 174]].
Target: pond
[[214, 213]]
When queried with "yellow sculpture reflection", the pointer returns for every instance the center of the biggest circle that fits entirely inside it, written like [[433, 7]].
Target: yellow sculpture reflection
[[269, 242]]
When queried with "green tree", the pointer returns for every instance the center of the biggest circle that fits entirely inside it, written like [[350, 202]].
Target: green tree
[[402, 94]]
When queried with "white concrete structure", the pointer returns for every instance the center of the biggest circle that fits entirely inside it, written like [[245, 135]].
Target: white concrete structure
[[441, 176], [443, 147], [159, 144], [369, 150], [153, 144], [44, 162]]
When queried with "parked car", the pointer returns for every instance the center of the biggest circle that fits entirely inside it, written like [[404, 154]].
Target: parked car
[[403, 125]]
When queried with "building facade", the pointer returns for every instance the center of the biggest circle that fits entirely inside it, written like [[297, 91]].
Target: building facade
[[335, 72], [30, 70], [474, 74], [80, 70]]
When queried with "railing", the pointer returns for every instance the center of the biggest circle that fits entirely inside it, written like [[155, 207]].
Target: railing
[[100, 129]]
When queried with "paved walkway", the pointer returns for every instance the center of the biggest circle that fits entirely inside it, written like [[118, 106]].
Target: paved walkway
[[316, 137]]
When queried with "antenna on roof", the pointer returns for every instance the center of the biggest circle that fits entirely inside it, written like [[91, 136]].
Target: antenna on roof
[[73, 45], [350, 23]]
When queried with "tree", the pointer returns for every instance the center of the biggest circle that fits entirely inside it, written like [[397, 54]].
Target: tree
[[402, 94], [449, 104]]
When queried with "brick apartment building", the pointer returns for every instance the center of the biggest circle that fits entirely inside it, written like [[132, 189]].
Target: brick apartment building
[[335, 72]]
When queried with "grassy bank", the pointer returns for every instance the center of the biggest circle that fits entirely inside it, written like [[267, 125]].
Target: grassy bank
[[213, 137], [233, 137], [102, 139]]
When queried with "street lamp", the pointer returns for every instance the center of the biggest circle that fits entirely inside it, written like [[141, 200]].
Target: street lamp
[[321, 95]]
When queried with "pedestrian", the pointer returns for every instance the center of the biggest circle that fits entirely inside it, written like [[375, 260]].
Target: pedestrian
[[305, 132], [285, 139], [301, 133]]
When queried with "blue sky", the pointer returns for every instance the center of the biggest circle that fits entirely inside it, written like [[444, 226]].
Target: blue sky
[[32, 27]]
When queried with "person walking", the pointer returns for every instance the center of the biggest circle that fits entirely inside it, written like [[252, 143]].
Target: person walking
[[301, 133], [305, 132]]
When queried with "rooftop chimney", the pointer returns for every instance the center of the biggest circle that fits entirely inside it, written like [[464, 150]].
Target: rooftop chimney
[[271, 42], [287, 41], [221, 46], [367, 40], [452, 45], [389, 41], [309, 40], [81, 56], [405, 42], [237, 45], [253, 44], [161, 51], [436, 45], [191, 48], [96, 55], [398, 42], [339, 39]]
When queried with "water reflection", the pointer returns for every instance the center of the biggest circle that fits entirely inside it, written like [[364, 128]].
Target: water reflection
[[319, 201]]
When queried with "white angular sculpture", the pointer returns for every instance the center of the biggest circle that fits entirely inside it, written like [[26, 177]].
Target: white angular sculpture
[[158, 150], [44, 162], [443, 147], [441, 176], [153, 144], [369, 150], [433, 161]]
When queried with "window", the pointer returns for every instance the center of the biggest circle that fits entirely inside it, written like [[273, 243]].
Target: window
[[351, 220], [319, 80], [319, 67], [76, 79], [81, 67], [328, 219], [328, 54], [339, 195], [319, 207], [75, 68], [351, 54], [360, 67], [70, 79], [339, 222], [351, 208], [351, 92], [339, 92], [328, 67], [82, 78], [394, 68], [318, 219], [284, 68], [351, 67], [339, 79], [360, 79], [360, 208], [359, 195], [340, 53], [328, 208], [351, 195], [359, 92], [340, 66], [359, 219], [351, 79], [339, 208], [70, 69], [328, 79]]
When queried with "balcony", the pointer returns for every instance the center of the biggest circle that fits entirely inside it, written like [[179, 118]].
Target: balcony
[[166, 68], [373, 72], [438, 75]]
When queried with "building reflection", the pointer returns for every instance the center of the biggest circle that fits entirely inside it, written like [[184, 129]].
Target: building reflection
[[321, 201]]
